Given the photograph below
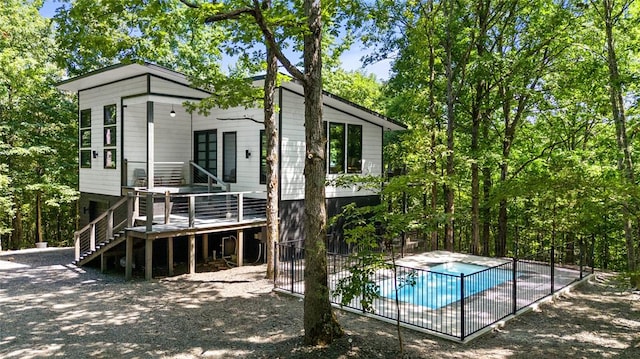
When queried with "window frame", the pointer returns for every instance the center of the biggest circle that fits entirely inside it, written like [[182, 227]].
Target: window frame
[[339, 167], [109, 135], [225, 178], [348, 150], [85, 144], [263, 170]]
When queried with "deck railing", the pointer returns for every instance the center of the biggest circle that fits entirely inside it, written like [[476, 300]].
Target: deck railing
[[201, 175], [101, 229], [165, 174], [468, 305], [193, 209]]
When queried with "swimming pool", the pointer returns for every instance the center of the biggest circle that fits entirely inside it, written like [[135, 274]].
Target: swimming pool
[[440, 285]]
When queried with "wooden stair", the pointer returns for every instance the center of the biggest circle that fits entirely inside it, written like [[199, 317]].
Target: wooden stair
[[101, 248]]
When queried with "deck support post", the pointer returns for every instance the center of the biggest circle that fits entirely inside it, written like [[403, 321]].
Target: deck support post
[[148, 259], [240, 236], [205, 246], [103, 263], [128, 267], [170, 255], [192, 253]]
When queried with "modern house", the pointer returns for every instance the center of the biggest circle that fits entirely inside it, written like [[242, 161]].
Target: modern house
[[150, 170]]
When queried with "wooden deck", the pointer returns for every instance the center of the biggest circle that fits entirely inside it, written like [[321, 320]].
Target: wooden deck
[[175, 215], [181, 228]]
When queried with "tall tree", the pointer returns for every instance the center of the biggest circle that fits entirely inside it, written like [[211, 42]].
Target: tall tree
[[611, 14], [36, 127]]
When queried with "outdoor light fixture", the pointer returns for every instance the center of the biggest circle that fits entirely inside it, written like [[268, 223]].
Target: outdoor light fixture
[[247, 153], [95, 154], [172, 113]]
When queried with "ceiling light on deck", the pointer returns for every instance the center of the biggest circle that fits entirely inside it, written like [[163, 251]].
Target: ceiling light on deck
[[172, 113]]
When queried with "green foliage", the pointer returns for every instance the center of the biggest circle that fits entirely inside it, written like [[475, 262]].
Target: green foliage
[[38, 133]]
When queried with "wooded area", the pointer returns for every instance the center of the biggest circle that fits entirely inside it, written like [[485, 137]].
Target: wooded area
[[522, 115]]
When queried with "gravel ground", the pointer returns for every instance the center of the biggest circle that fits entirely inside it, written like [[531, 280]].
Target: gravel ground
[[50, 308]]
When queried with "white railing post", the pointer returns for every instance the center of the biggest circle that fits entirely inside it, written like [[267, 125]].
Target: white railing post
[[76, 239], [192, 211], [240, 207], [167, 206], [92, 237], [109, 224]]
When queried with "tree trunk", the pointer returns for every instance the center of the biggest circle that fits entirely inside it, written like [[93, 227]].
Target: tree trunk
[[17, 233], [39, 229], [320, 323], [271, 132], [501, 241], [625, 165], [449, 208]]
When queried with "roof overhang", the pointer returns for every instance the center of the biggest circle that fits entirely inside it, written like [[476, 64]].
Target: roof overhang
[[119, 72], [349, 107]]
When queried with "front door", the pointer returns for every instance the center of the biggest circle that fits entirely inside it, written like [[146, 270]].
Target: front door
[[205, 154]]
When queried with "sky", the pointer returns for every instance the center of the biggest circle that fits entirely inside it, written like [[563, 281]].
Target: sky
[[351, 60]]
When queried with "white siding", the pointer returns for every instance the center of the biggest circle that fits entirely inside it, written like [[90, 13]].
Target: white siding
[[247, 138], [293, 148], [165, 87], [97, 179]]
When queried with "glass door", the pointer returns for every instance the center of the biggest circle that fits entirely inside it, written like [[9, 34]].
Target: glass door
[[205, 154]]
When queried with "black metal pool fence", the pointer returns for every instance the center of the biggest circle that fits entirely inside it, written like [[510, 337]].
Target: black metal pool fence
[[519, 282]]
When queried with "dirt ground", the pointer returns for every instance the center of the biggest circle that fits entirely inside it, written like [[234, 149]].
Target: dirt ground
[[50, 308]]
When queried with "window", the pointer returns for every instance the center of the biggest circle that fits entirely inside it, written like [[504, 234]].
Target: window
[[110, 137], [229, 157], [344, 148], [354, 149], [336, 147], [263, 157], [85, 138]]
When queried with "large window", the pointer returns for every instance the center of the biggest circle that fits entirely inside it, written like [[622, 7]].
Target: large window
[[263, 157], [354, 149], [336, 147], [110, 136], [85, 138], [229, 157], [344, 148]]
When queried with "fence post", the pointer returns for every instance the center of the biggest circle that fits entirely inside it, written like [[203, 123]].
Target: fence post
[[553, 263], [462, 329], [291, 252], [240, 207], [275, 264], [514, 296]]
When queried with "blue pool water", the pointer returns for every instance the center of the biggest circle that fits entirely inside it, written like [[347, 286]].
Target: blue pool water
[[440, 285]]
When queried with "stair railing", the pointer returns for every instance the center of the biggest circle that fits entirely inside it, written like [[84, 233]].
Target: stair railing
[[211, 178], [102, 228]]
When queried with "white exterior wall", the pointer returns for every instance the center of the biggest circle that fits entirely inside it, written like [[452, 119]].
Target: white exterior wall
[[293, 148], [247, 138], [97, 179]]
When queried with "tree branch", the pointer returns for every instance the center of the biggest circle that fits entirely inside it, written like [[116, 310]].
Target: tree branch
[[271, 43]]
